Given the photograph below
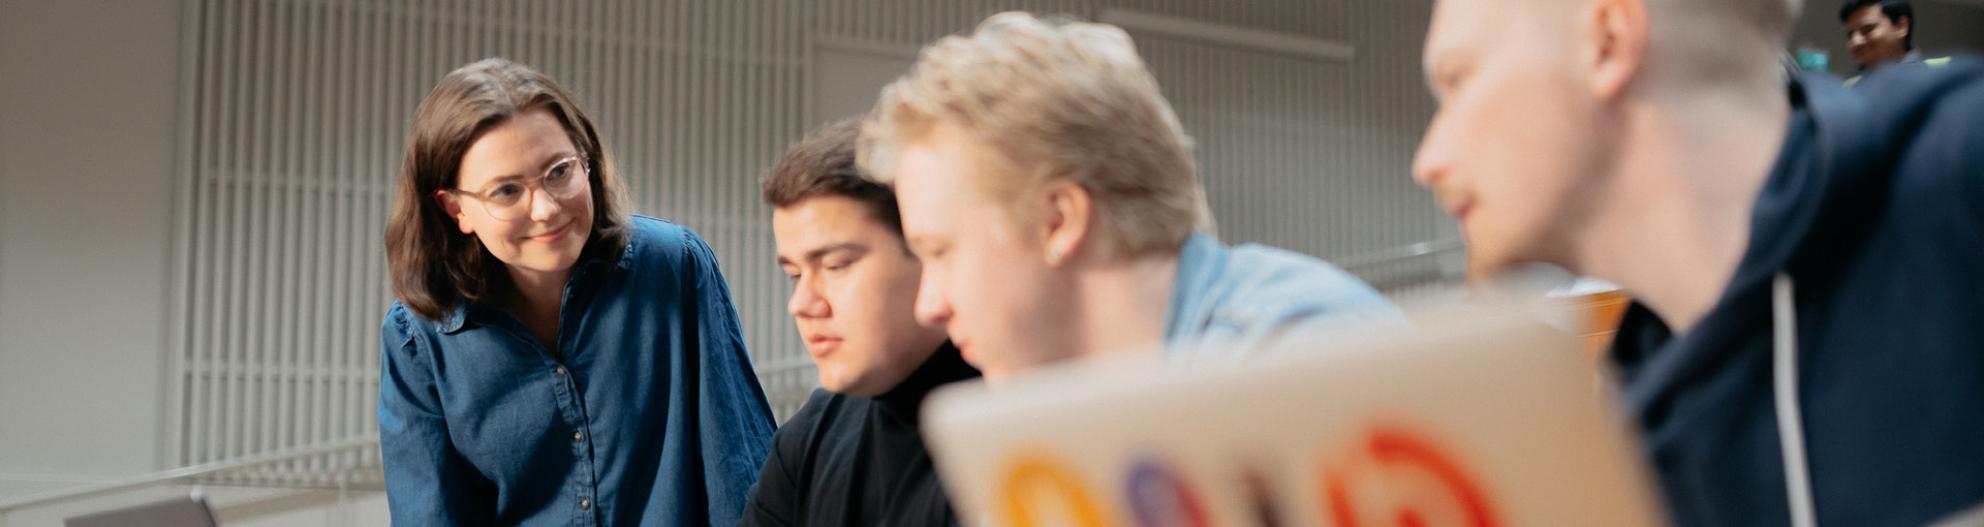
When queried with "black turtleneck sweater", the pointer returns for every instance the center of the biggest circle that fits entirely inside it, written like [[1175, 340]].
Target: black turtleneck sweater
[[850, 461]]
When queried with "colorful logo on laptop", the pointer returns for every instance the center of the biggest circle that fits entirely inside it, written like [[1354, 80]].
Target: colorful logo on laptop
[[1389, 477], [1397, 478]]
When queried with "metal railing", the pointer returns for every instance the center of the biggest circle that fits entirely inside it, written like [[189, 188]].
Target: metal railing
[[1411, 273], [1409, 252], [339, 477]]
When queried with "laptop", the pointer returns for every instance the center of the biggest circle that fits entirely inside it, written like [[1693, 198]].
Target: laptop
[[179, 512], [1479, 418]]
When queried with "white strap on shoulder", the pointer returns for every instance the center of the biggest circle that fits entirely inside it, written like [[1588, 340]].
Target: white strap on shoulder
[[1790, 414]]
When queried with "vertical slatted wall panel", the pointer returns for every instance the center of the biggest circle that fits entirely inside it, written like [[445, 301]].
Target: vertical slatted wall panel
[[301, 107]]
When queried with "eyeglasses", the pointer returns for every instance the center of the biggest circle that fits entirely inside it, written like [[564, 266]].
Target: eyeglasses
[[505, 200]]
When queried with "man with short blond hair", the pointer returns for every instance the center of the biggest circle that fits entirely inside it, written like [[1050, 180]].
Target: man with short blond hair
[[1049, 190], [1804, 344]]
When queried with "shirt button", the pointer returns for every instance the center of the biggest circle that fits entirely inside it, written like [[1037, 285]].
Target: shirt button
[[585, 504], [558, 370], [578, 436]]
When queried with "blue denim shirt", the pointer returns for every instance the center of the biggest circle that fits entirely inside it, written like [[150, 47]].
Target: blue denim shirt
[[649, 414], [1234, 301]]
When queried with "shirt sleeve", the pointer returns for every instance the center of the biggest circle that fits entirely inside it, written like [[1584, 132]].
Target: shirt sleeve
[[427, 481], [735, 420], [784, 489]]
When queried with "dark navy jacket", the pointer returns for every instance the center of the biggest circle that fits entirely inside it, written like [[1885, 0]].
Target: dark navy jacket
[[1873, 223]]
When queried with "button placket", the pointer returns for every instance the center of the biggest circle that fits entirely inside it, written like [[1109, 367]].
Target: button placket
[[575, 417]]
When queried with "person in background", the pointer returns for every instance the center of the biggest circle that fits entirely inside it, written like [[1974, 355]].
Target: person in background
[[852, 455], [1879, 32], [551, 360], [1049, 190], [1804, 343]]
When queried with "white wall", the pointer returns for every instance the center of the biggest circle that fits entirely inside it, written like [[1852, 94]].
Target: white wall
[[88, 95]]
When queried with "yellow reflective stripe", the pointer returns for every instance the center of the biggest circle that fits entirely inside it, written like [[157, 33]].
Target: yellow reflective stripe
[[1937, 62]]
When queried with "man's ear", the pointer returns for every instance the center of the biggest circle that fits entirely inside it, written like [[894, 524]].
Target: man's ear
[[1906, 25], [1069, 220], [452, 205], [1615, 43]]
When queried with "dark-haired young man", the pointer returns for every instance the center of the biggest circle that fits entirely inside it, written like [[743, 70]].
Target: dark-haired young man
[[1879, 32], [852, 455]]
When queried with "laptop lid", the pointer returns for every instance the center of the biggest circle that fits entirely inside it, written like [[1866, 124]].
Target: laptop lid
[[1484, 418]]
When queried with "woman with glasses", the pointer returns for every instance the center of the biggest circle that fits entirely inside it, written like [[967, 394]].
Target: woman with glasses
[[552, 359]]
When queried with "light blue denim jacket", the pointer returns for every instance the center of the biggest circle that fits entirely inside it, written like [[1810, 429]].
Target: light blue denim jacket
[[1234, 301]]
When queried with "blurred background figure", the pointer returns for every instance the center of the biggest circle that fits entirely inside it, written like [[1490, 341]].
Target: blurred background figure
[[1879, 32]]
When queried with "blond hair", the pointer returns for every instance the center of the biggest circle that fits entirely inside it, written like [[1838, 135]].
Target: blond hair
[[1054, 100]]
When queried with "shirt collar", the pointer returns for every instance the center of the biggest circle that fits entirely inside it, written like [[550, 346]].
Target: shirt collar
[[456, 319], [944, 366], [1200, 262]]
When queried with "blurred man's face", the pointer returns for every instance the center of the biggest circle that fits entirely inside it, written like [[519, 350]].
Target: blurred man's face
[[985, 279], [853, 291], [1873, 39], [1510, 152]]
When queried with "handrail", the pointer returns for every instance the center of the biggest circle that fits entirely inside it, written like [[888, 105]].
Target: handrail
[[167, 476], [1398, 254]]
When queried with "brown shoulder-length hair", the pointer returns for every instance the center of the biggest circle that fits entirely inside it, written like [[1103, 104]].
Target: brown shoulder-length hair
[[434, 266]]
